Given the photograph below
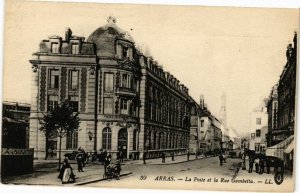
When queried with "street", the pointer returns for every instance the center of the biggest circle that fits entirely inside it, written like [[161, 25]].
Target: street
[[195, 171]]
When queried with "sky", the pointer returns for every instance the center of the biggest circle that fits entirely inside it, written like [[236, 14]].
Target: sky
[[211, 50]]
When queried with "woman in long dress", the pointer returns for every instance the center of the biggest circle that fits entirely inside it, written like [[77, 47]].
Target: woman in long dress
[[66, 172]]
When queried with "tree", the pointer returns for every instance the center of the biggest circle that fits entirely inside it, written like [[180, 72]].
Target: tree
[[60, 121]]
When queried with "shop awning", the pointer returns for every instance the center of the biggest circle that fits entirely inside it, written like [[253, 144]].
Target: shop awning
[[290, 147]]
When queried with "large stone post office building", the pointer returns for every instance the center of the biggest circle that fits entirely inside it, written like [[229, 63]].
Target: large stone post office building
[[126, 101]]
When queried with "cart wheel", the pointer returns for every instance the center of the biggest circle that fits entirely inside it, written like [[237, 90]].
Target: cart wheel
[[278, 178]]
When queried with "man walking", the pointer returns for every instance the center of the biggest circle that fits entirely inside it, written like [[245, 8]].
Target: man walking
[[144, 157], [121, 156], [221, 159], [188, 156], [250, 165], [163, 156], [79, 159]]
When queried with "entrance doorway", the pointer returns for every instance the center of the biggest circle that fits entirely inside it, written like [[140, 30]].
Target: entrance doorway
[[122, 141]]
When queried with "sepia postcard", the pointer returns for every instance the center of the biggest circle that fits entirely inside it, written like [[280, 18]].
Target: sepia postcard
[[145, 96]]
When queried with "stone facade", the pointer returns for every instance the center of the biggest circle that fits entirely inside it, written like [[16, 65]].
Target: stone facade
[[287, 93], [126, 101]]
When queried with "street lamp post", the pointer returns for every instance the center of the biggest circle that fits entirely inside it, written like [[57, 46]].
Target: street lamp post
[[244, 161]]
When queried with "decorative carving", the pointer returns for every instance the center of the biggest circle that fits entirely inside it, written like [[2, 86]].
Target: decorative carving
[[100, 93], [63, 83], [34, 67], [92, 70], [124, 123], [117, 82], [107, 123], [83, 89], [116, 105], [43, 88]]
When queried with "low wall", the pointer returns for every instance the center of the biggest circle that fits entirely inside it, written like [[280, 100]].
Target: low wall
[[16, 161]]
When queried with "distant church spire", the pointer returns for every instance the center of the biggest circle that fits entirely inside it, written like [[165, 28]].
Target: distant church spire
[[223, 112]]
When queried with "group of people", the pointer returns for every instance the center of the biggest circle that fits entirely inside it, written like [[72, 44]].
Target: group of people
[[260, 164], [111, 170]]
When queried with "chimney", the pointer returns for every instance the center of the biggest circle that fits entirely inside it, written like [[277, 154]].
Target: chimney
[[68, 34], [202, 101]]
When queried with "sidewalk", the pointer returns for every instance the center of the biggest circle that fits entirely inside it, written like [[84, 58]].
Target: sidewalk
[[45, 171], [92, 172]]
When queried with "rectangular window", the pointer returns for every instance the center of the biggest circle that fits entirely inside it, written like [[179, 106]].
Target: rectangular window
[[125, 83], [72, 140], [74, 103], [134, 83], [108, 105], [75, 49], [108, 82], [124, 107], [52, 102], [54, 48], [74, 80], [202, 123], [258, 121], [257, 132], [54, 79]]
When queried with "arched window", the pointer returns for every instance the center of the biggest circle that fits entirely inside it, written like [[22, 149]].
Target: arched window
[[135, 133], [167, 141], [106, 138], [154, 140], [159, 142]]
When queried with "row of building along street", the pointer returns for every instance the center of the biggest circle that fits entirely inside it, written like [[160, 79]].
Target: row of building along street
[[129, 108]]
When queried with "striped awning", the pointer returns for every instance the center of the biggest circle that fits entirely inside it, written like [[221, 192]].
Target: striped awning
[[290, 147]]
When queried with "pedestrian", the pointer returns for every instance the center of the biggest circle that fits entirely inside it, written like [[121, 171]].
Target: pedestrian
[[163, 156], [66, 172], [118, 155], [256, 161], [121, 156], [107, 160], [268, 165], [188, 156], [84, 157], [79, 158], [144, 157], [261, 165], [173, 156], [221, 159], [118, 169], [250, 165]]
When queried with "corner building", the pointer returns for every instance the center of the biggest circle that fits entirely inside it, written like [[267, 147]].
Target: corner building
[[125, 100]]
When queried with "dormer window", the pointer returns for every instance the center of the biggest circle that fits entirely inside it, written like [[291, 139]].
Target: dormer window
[[125, 52], [75, 48], [54, 48]]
